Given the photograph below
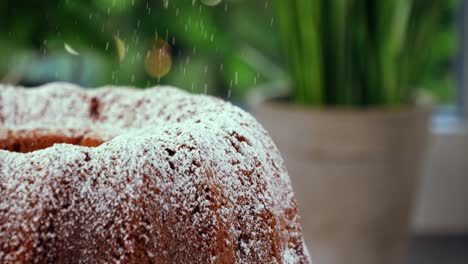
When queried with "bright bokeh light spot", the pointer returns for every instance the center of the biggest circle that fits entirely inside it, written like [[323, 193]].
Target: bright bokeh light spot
[[211, 2], [158, 60], [70, 50], [120, 47]]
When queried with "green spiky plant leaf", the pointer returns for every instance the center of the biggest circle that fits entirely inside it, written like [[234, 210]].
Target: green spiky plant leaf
[[357, 52]]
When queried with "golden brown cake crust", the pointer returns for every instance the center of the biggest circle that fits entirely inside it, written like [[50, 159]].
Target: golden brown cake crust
[[153, 176]]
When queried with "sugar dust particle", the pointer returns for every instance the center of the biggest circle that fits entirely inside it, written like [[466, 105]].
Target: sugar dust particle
[[211, 2], [120, 47], [70, 50], [158, 61]]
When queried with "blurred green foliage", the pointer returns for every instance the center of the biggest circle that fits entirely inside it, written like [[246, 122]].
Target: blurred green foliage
[[208, 42], [223, 50], [366, 52], [440, 77]]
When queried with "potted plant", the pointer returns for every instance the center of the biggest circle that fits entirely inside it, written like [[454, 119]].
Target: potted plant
[[351, 131]]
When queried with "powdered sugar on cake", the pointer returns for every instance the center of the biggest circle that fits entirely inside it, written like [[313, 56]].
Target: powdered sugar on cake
[[181, 178]]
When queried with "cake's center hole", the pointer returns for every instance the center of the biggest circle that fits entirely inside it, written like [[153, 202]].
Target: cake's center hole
[[25, 142]]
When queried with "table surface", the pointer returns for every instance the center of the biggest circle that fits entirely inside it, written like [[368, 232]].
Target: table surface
[[439, 250]]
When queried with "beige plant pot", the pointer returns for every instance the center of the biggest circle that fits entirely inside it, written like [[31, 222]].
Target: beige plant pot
[[354, 173]]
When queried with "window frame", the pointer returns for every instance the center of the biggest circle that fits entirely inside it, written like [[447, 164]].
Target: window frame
[[441, 206], [462, 64]]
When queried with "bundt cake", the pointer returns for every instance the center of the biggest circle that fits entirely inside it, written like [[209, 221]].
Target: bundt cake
[[115, 175]]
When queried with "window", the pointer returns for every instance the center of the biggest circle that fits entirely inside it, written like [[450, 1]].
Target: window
[[442, 200], [463, 61]]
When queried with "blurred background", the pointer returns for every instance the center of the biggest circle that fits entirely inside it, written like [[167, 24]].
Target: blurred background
[[226, 50], [231, 49], [232, 46]]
